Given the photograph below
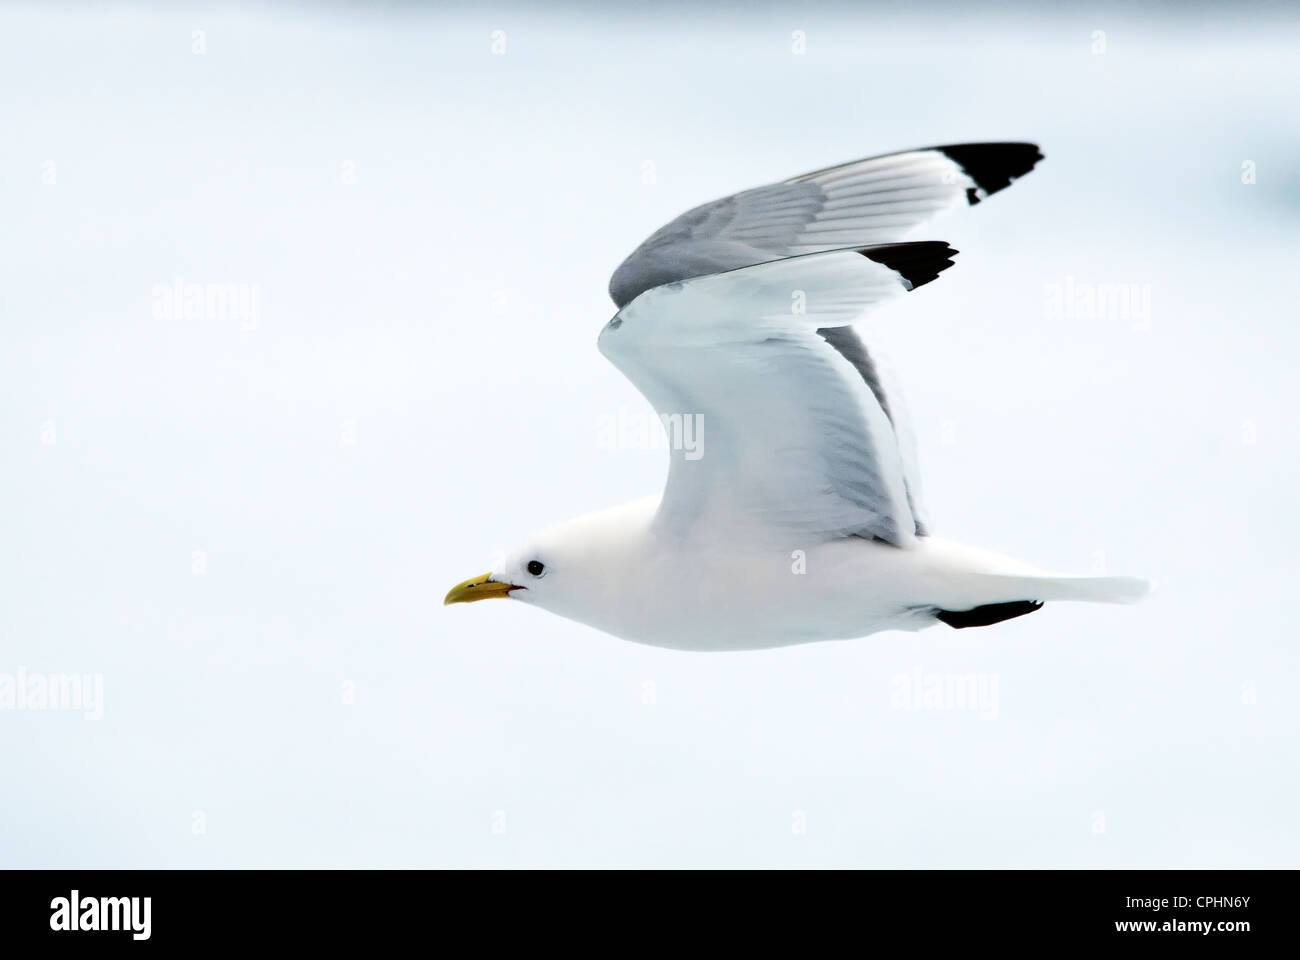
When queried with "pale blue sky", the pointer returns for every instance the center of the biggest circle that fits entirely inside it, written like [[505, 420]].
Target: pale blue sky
[[428, 229]]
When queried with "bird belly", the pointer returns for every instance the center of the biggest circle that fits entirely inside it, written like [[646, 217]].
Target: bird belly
[[761, 597]]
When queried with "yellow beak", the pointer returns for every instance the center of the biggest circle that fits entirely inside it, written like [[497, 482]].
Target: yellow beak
[[478, 588]]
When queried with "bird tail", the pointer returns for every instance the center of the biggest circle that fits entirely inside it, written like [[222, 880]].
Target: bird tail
[[1015, 596], [1054, 587]]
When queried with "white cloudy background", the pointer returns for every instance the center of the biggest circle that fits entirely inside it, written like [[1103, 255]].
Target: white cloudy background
[[243, 526]]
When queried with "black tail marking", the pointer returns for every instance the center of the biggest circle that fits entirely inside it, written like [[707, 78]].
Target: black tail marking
[[987, 614]]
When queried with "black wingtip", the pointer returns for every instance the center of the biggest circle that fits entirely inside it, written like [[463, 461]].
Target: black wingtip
[[987, 614], [917, 262], [993, 166]]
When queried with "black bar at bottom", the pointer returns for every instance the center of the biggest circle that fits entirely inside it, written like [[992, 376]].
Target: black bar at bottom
[[182, 908]]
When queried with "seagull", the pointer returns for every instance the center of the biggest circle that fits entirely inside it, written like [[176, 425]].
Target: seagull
[[796, 515]]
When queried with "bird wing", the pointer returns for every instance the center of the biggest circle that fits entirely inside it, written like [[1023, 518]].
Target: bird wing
[[796, 442], [873, 201]]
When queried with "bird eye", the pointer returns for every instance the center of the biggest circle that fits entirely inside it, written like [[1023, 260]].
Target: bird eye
[[535, 567]]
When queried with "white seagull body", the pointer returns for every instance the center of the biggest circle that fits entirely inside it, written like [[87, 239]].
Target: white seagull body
[[797, 518]]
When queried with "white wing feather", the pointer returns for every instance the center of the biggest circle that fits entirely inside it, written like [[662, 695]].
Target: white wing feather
[[795, 446]]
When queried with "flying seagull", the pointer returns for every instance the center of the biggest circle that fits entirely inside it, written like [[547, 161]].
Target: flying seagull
[[800, 517]]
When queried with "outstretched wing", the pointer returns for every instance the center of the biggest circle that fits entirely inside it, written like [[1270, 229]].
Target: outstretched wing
[[873, 201], [796, 444]]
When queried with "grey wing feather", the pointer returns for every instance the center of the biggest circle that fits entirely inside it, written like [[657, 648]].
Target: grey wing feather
[[850, 345], [872, 201], [737, 231]]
